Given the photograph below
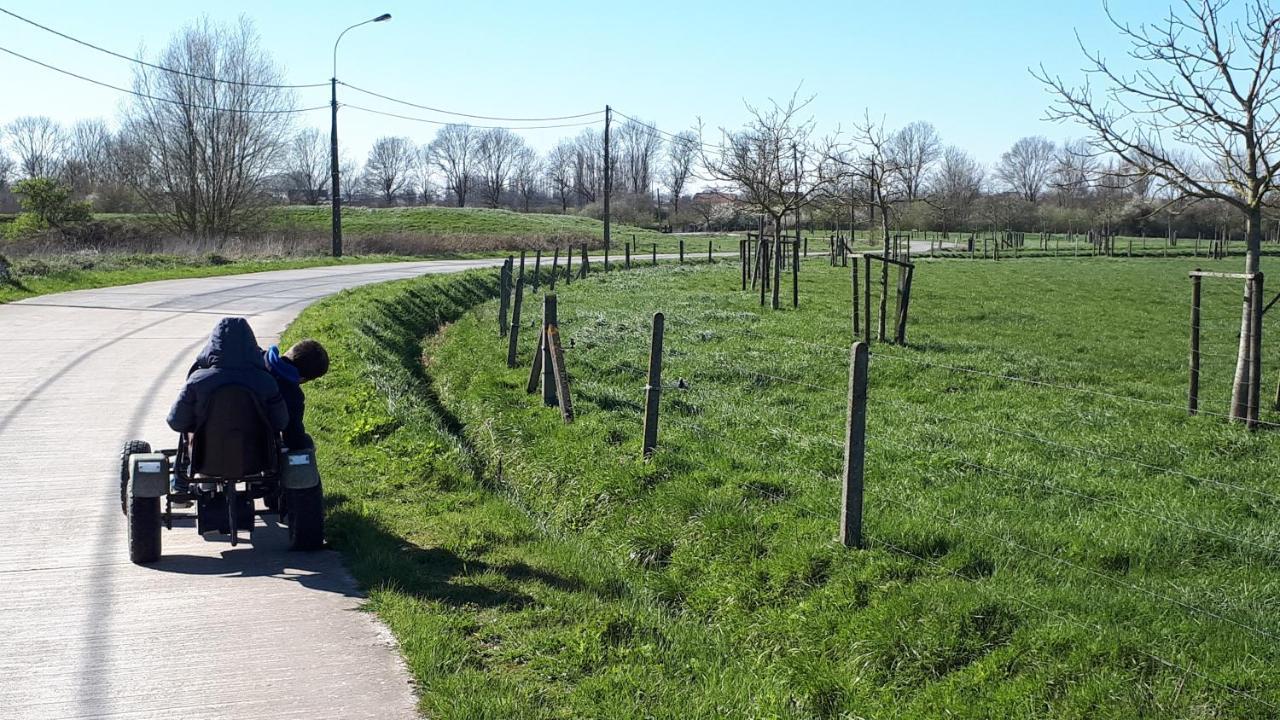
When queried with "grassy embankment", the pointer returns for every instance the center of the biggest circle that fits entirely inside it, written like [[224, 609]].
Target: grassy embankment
[[1035, 551], [298, 237]]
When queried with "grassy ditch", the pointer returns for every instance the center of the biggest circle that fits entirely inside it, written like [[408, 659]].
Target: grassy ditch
[[1069, 547]]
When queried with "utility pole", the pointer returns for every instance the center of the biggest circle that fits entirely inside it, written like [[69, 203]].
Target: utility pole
[[334, 191], [608, 180]]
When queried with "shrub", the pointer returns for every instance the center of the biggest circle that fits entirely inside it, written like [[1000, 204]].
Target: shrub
[[49, 202]]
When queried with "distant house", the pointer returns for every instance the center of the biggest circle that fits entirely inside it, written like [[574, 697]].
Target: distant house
[[714, 197]]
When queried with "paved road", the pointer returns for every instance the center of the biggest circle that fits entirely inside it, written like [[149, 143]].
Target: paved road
[[209, 631]]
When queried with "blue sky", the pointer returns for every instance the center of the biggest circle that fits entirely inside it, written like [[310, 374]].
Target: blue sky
[[960, 65]]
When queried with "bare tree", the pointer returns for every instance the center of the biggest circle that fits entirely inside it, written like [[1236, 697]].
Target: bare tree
[[1025, 168], [524, 176], [1202, 113], [39, 143], [1074, 169], [559, 168], [349, 167], [956, 187], [638, 148], [915, 148], [453, 153], [588, 165], [85, 165], [774, 163], [682, 152], [390, 164], [496, 154], [210, 145], [307, 165], [876, 167]]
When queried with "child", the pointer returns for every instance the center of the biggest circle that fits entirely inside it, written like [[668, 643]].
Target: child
[[231, 357], [305, 361]]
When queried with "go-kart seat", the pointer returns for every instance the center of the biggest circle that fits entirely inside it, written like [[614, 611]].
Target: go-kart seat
[[234, 439]]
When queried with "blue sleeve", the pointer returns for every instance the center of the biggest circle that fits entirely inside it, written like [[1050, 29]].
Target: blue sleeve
[[182, 416]]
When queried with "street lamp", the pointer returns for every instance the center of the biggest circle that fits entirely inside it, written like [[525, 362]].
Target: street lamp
[[334, 191]]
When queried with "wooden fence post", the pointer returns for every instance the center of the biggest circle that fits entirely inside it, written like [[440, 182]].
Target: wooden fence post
[[1193, 392], [742, 260], [777, 271], [904, 302], [559, 373], [655, 254], [853, 287], [795, 274], [709, 250], [521, 274], [764, 269], [549, 318], [514, 336], [537, 269], [568, 265], [854, 449], [1255, 341], [555, 268], [866, 298], [681, 251], [627, 249], [586, 262], [884, 300], [653, 390], [504, 297]]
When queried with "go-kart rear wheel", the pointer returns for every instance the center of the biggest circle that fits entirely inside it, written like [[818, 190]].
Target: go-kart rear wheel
[[144, 529], [131, 447], [304, 510]]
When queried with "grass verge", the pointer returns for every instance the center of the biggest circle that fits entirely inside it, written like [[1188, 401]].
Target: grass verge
[[1035, 550]]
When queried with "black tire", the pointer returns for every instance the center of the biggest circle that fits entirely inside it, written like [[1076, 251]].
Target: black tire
[[304, 511], [131, 447], [144, 529]]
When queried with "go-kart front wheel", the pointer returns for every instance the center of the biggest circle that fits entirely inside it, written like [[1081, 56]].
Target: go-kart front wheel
[[304, 512], [130, 448], [144, 529]]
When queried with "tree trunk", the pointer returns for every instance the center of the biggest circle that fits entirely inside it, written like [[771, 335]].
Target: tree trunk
[[1249, 345]]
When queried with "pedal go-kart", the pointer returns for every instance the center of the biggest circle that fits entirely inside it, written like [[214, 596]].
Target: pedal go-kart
[[232, 459]]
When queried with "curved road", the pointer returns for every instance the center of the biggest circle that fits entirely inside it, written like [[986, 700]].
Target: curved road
[[209, 631]]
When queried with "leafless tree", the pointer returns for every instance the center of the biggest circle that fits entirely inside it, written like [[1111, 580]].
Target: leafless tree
[[638, 147], [559, 167], [774, 163], [1201, 112], [86, 164], [956, 187], [453, 152], [1025, 168], [588, 165], [1074, 169], [389, 167], [915, 148], [39, 143], [210, 145], [307, 165], [525, 172], [349, 167], [875, 166], [496, 154], [682, 153]]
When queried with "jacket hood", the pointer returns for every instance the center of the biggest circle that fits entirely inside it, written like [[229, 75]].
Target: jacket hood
[[231, 345]]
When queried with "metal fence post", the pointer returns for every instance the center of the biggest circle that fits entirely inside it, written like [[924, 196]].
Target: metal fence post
[[854, 449]]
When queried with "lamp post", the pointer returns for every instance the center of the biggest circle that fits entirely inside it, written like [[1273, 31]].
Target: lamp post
[[335, 191]]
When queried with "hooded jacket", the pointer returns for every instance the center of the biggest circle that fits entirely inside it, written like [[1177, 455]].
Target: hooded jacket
[[231, 357]]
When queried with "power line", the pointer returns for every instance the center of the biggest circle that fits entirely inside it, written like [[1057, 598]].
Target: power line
[[482, 127], [469, 115], [153, 65], [143, 95]]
